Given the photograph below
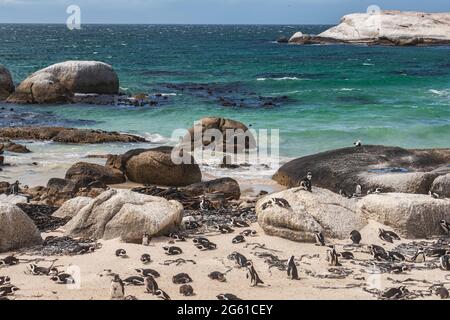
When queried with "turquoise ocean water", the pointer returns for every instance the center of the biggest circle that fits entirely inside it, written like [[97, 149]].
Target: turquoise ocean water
[[324, 96]]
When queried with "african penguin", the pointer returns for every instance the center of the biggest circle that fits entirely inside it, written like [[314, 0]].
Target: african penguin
[[396, 256], [216, 275], [238, 239], [248, 233], [332, 257], [395, 293], [398, 269], [172, 251], [146, 239], [186, 290], [145, 258], [161, 294], [177, 237], [444, 261], [148, 272], [419, 256], [378, 253], [41, 271], [9, 261], [252, 274], [442, 292], [357, 143], [445, 226], [181, 278], [227, 296], [292, 271], [347, 255], [239, 223], [239, 259], [150, 284], [4, 280], [121, 253], [355, 236], [117, 288], [8, 290], [134, 281], [63, 278], [320, 239], [223, 229], [305, 183]]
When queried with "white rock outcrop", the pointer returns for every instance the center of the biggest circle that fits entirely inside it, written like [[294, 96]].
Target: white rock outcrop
[[123, 214]]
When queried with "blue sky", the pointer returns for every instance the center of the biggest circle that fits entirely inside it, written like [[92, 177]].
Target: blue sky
[[203, 11]]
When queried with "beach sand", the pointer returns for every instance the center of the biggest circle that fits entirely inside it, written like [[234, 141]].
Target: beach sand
[[277, 285]]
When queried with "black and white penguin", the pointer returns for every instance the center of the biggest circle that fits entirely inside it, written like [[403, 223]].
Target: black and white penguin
[[445, 226], [227, 296], [305, 183], [205, 204], [333, 257], [442, 292], [444, 261], [206, 246], [434, 195], [355, 236], [121, 253], [9, 261], [223, 229], [358, 191], [4, 280], [292, 271], [395, 293], [200, 240], [344, 194], [238, 239], [435, 252], [396, 256], [238, 223], [280, 202], [42, 271], [375, 191], [14, 188], [8, 290], [150, 284], [398, 269], [320, 239], [191, 225], [146, 258], [419, 256], [63, 278], [134, 281], [187, 290], [172, 251], [146, 239], [347, 255], [392, 234], [162, 294], [252, 274], [181, 278], [239, 259], [248, 233], [357, 143], [384, 236], [148, 272], [117, 288], [177, 237], [378, 253], [217, 275]]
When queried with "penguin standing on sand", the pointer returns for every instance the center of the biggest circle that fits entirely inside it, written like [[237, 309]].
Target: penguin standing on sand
[[150, 284], [444, 261], [240, 259], [252, 274], [355, 236], [333, 257], [146, 239], [292, 271], [320, 239], [117, 289], [419, 257], [445, 226], [358, 191]]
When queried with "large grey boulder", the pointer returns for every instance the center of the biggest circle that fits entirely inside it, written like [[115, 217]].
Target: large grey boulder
[[123, 214], [441, 185], [233, 136], [6, 83], [155, 166], [17, 230], [59, 82], [319, 210], [71, 207], [414, 215], [370, 166], [84, 171]]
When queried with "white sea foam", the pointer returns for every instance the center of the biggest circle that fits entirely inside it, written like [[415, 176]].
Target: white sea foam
[[282, 79], [445, 92]]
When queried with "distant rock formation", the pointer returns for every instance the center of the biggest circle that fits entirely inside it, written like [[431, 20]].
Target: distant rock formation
[[6, 83], [386, 28], [59, 82]]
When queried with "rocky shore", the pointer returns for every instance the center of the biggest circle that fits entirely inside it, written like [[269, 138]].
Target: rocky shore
[[392, 28]]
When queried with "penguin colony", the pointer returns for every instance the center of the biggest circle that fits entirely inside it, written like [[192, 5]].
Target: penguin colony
[[337, 257]]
